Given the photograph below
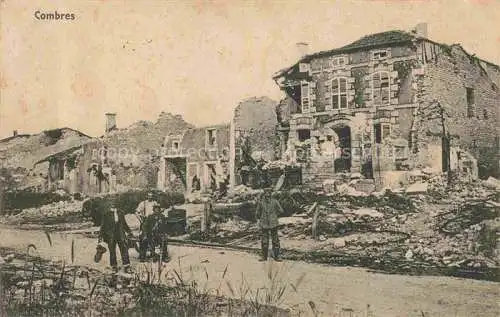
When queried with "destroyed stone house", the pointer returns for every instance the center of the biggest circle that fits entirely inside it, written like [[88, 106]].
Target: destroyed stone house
[[165, 155], [212, 155], [20, 152], [121, 159], [199, 155], [387, 103]]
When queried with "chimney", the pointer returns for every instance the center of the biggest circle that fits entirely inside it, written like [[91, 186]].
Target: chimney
[[302, 49], [421, 30], [110, 122], [14, 133]]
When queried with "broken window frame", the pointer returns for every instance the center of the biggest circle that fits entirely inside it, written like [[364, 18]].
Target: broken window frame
[[384, 88], [338, 94], [305, 98], [336, 63], [400, 152], [174, 147], [189, 177], [470, 98], [60, 170], [209, 137], [301, 132], [379, 55], [378, 131]]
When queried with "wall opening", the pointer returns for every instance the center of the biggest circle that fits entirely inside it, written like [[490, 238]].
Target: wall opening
[[445, 157], [382, 131], [470, 102], [303, 134], [342, 158]]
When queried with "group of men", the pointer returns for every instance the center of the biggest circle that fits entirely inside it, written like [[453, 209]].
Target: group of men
[[116, 232]]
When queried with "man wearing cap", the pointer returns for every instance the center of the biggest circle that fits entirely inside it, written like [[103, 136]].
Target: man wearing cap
[[154, 233], [268, 210], [115, 232]]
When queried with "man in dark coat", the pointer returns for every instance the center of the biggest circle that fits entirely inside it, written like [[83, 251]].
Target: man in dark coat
[[115, 232], [154, 233], [268, 210]]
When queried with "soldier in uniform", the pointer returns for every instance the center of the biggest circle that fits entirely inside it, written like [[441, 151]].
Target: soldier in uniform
[[268, 210]]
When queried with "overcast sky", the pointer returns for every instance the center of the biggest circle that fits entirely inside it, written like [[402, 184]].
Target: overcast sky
[[195, 58]]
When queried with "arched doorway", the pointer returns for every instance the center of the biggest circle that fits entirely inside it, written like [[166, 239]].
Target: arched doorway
[[342, 157]]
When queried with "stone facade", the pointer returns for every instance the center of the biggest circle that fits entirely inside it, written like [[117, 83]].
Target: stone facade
[[374, 107]]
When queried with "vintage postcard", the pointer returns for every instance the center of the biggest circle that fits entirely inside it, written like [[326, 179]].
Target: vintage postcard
[[250, 158]]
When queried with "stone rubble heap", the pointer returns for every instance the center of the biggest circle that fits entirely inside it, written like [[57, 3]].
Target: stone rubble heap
[[57, 209]]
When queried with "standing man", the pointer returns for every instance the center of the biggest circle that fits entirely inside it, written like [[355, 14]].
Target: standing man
[[268, 210], [155, 233], [145, 207], [115, 232]]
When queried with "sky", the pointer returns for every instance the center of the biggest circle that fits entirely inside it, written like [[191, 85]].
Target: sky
[[194, 58]]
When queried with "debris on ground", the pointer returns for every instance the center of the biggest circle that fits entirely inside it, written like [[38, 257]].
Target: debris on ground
[[418, 224], [69, 211]]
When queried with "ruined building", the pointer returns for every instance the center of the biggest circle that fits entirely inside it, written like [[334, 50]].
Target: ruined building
[[387, 103], [207, 157], [200, 153], [121, 159]]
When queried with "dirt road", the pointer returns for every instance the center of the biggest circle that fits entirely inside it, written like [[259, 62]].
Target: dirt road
[[330, 288]]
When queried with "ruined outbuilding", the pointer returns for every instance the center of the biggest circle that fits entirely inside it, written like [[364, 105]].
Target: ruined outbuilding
[[196, 160], [121, 159], [211, 157], [388, 103], [19, 153]]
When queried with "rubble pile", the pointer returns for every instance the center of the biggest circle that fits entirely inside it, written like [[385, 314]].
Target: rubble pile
[[339, 224], [439, 187], [412, 226], [45, 212], [279, 164], [242, 193], [349, 184]]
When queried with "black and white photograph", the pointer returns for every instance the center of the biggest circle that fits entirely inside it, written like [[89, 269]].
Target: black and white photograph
[[227, 158]]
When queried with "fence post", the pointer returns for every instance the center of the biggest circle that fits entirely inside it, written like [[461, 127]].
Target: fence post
[[205, 220], [315, 210]]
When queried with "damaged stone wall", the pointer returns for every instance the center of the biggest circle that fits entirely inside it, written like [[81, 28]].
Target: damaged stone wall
[[255, 118], [25, 150], [471, 100], [255, 121], [127, 158], [195, 155], [392, 86]]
